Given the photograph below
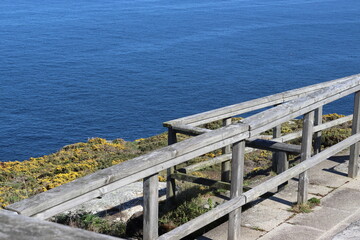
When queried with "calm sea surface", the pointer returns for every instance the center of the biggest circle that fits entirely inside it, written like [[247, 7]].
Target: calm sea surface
[[72, 70]]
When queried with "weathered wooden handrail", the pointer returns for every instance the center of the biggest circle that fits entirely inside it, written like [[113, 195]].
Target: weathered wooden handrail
[[252, 105], [15, 226], [146, 167]]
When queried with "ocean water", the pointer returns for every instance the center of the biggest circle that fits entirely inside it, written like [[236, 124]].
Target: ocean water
[[72, 70]]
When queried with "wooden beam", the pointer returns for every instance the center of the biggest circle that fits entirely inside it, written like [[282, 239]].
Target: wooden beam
[[354, 149], [237, 179], [237, 109], [15, 226], [270, 118], [306, 143], [151, 207], [317, 135], [190, 130], [318, 128], [202, 181], [273, 146], [204, 164]]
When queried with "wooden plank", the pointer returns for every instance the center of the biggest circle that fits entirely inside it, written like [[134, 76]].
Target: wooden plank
[[15, 226], [273, 146], [62, 198], [354, 149], [317, 99], [237, 178], [237, 202], [318, 128], [306, 143], [202, 181], [170, 183], [237, 109], [151, 207], [317, 135], [189, 130], [270, 118], [225, 166], [204, 164]]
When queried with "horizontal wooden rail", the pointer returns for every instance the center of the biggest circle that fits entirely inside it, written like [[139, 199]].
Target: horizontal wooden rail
[[197, 130], [204, 164], [15, 226], [256, 104], [202, 181], [273, 146], [231, 205], [270, 118]]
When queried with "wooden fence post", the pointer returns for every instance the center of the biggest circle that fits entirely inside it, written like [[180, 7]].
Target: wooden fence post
[[170, 183], [317, 135], [306, 143], [237, 176], [151, 207], [225, 166], [276, 154], [279, 159], [354, 149]]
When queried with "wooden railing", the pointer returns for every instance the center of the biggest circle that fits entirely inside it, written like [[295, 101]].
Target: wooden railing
[[305, 101]]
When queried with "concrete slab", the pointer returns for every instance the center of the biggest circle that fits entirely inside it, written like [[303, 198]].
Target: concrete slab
[[353, 184], [220, 233], [264, 217], [324, 175], [318, 190], [288, 231], [322, 218], [288, 196], [346, 199]]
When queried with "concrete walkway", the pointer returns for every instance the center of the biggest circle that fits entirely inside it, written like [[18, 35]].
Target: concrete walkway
[[337, 217]]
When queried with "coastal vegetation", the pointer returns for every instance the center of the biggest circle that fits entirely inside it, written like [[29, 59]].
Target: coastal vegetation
[[20, 180]]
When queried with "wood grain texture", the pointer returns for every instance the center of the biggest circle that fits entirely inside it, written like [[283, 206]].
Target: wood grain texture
[[354, 149], [273, 146], [270, 118], [202, 181], [204, 164], [151, 207], [306, 144], [237, 109], [237, 179], [17, 227]]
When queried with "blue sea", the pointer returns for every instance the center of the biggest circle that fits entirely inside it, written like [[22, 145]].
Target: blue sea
[[73, 70]]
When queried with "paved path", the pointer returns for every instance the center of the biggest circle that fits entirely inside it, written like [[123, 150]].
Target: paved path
[[337, 217]]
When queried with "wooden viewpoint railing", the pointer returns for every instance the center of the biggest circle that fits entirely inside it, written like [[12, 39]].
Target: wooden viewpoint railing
[[306, 101]]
